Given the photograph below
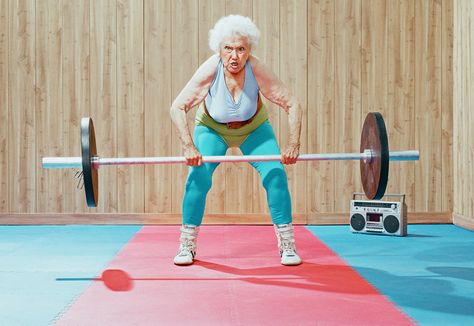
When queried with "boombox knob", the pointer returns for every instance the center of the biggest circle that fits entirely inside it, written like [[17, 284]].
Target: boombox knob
[[391, 224], [357, 222]]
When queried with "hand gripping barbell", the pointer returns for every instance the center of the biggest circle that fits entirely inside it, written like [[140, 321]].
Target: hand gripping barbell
[[374, 158]]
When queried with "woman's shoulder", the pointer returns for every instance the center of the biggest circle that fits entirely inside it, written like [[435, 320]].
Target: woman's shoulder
[[212, 61], [259, 68], [208, 68]]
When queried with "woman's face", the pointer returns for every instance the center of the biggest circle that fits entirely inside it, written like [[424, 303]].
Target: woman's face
[[234, 53]]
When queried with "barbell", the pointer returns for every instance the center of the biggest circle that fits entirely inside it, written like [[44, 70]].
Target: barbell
[[374, 157]]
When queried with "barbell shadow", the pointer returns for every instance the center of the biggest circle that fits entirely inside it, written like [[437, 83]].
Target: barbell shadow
[[118, 280]]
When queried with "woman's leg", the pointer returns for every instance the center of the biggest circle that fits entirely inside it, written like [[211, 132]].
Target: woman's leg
[[262, 141], [198, 183], [199, 180]]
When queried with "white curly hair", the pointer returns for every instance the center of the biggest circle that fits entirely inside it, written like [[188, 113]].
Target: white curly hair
[[233, 24]]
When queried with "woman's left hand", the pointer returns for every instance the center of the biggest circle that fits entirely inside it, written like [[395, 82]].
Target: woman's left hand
[[290, 154]]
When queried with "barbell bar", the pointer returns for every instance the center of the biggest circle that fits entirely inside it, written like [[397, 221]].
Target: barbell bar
[[374, 157], [97, 162]]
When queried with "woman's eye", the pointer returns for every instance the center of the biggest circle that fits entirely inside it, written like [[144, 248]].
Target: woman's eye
[[241, 49]]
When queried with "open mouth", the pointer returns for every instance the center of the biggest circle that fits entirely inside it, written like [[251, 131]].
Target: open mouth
[[234, 64]]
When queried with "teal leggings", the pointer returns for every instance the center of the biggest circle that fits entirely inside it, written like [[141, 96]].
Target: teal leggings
[[261, 141]]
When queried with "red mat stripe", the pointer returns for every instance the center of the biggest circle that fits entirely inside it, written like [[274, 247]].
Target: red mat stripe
[[237, 280]]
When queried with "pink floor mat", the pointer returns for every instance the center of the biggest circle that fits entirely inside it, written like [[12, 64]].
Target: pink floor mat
[[236, 280]]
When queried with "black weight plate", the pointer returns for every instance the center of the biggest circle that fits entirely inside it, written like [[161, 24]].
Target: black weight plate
[[89, 151], [374, 173]]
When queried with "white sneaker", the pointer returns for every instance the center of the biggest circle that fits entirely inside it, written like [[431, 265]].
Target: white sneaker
[[286, 244], [187, 245]]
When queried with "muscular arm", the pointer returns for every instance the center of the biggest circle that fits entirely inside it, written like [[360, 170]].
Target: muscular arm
[[191, 95], [275, 91]]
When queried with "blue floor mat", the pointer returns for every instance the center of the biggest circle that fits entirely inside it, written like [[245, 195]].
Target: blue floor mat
[[429, 274], [32, 257]]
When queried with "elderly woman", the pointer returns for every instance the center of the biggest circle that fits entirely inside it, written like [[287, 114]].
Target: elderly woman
[[229, 86]]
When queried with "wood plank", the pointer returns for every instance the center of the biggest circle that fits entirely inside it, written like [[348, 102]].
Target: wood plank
[[239, 176], [400, 113], [321, 126], [465, 109], [130, 104], [470, 141], [4, 106], [428, 105], [22, 126], [293, 72], [341, 218], [239, 7], [103, 86], [209, 12], [465, 141], [158, 71], [48, 102], [347, 98], [457, 105], [447, 105], [76, 91], [184, 49], [266, 16]]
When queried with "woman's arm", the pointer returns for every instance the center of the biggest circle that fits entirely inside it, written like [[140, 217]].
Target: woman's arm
[[191, 95], [275, 91]]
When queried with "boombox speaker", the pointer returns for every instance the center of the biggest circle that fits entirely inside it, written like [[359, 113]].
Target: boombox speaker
[[379, 217]]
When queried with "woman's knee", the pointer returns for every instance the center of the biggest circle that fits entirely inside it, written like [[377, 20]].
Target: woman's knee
[[199, 178], [275, 178]]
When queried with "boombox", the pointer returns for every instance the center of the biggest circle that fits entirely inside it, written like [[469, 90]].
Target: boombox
[[379, 217]]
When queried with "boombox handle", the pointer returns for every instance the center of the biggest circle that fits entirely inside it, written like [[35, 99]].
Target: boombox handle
[[402, 196]]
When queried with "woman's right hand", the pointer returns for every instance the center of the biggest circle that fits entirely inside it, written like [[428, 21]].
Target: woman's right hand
[[192, 155]]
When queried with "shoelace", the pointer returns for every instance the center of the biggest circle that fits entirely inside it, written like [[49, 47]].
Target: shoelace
[[288, 248], [186, 248]]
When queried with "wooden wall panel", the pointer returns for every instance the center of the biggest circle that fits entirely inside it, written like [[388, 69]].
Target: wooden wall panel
[[428, 105], [130, 104], [400, 112], [103, 88], [123, 62], [239, 7], [21, 102], [321, 110], [48, 106], [463, 116], [266, 16], [75, 90], [293, 72], [184, 62], [4, 106], [157, 38], [347, 98], [447, 105], [458, 103]]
